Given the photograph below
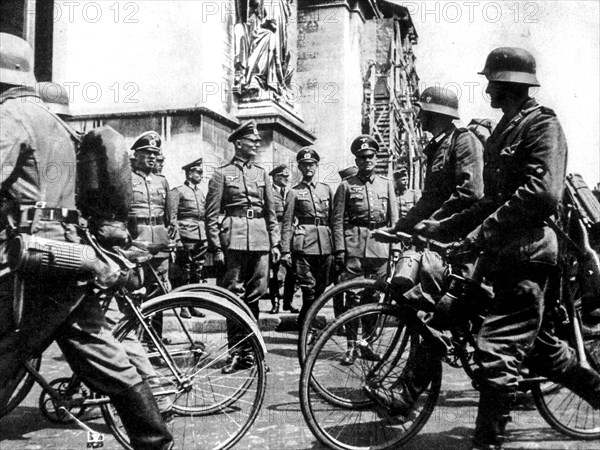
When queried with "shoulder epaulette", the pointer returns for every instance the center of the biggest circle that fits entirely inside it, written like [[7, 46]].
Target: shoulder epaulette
[[461, 130], [546, 110], [259, 167]]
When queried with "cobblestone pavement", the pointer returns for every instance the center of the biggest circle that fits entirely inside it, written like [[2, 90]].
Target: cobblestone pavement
[[280, 424]]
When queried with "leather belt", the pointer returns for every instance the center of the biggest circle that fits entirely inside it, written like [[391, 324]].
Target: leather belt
[[367, 224], [248, 213], [316, 221], [153, 221], [30, 213], [190, 217]]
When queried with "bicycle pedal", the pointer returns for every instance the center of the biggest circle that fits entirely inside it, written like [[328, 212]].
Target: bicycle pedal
[[95, 440]]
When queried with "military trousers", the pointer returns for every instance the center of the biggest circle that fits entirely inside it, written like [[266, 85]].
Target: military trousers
[[313, 274], [62, 311], [518, 328], [189, 262], [281, 275], [246, 275], [375, 268]]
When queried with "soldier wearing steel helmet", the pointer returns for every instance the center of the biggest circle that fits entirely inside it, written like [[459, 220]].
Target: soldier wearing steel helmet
[[407, 198], [453, 182], [56, 309], [524, 175], [363, 203], [307, 232]]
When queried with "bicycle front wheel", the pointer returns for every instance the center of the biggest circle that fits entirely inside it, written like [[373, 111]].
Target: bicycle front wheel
[[17, 389], [331, 304], [346, 418], [210, 409]]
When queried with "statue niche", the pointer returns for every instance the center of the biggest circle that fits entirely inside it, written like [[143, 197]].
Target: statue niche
[[262, 58]]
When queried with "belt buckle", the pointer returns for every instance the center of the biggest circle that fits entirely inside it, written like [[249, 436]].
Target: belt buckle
[[317, 221], [250, 214]]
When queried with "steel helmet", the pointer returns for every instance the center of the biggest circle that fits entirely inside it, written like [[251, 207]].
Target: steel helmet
[[55, 96], [16, 61], [510, 65], [439, 100]]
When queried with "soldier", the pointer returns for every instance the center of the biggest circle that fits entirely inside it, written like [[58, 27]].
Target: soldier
[[186, 208], [159, 164], [524, 176], [453, 182], [249, 232], [149, 219], [56, 98], [281, 176], [407, 198], [309, 207], [60, 309], [363, 203]]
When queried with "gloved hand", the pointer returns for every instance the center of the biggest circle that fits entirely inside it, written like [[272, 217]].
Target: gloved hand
[[286, 260], [275, 254], [427, 228], [219, 259]]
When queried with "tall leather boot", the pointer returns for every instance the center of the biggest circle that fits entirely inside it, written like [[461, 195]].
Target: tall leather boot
[[141, 418], [400, 399], [275, 305], [492, 417], [583, 382]]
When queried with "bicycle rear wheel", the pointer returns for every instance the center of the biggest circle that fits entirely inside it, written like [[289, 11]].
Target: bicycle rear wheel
[[211, 410], [17, 389], [330, 305], [347, 418]]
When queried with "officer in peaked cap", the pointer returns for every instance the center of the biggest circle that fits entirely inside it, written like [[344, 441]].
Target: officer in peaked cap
[[306, 237], [149, 216], [347, 172], [186, 208], [281, 176], [407, 198], [362, 204], [248, 234], [56, 308], [245, 130]]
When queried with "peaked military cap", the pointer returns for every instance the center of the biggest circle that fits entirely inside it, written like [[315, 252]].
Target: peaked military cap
[[307, 154], [401, 171], [348, 172], [197, 164], [245, 129], [150, 141], [364, 144], [160, 157], [280, 169]]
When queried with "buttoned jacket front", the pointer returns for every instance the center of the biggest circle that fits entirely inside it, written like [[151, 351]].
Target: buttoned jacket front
[[243, 193], [361, 205], [148, 207], [187, 203], [309, 205]]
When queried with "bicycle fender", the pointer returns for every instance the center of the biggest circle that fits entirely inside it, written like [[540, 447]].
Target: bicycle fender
[[218, 302]]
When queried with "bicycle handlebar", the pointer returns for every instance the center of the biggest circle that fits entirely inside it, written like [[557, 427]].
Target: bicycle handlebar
[[405, 238]]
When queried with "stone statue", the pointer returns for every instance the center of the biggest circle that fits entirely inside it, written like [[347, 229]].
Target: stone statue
[[262, 58]]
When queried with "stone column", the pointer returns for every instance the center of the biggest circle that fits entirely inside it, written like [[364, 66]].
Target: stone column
[[329, 76]]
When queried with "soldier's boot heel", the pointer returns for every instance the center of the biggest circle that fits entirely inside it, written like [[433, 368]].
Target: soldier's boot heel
[[142, 419], [275, 306], [492, 417]]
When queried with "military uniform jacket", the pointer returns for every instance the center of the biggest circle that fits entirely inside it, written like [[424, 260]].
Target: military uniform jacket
[[47, 147], [361, 205], [186, 207], [453, 177], [525, 167], [310, 203], [407, 200], [243, 193], [148, 207], [280, 197]]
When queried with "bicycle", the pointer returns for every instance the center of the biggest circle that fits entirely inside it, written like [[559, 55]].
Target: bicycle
[[188, 369], [342, 416]]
